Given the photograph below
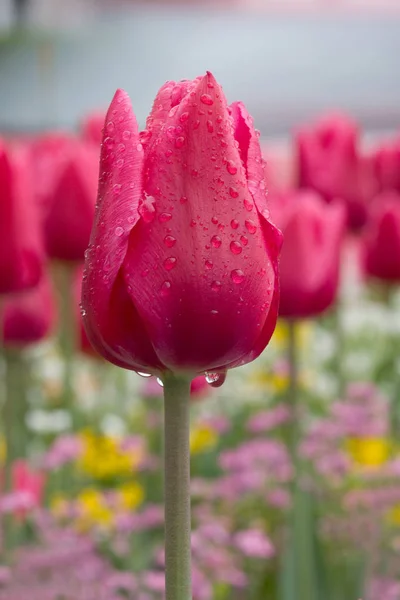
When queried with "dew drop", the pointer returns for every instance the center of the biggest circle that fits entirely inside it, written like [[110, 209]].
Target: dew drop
[[208, 264], [159, 381], [196, 124], [169, 241], [244, 240], [179, 142], [120, 163], [117, 188], [248, 205], [83, 311], [214, 313], [214, 220], [168, 153], [212, 377], [109, 143], [165, 289], [119, 231], [233, 192], [234, 224], [216, 286], [184, 117], [230, 167], [164, 217], [206, 99], [110, 126], [143, 374], [216, 241], [237, 276], [192, 223], [121, 148], [139, 147], [126, 134], [170, 263], [147, 210], [194, 173], [210, 126], [235, 248], [183, 200], [250, 226], [171, 131]]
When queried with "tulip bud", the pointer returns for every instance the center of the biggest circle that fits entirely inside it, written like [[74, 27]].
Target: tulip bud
[[71, 203], [330, 163], [21, 250], [381, 240], [181, 272], [310, 259]]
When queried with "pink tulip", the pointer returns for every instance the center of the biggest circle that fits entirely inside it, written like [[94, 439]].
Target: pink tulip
[[330, 163], [29, 316], [181, 272], [70, 203], [21, 249], [310, 260], [92, 127], [387, 165], [382, 238]]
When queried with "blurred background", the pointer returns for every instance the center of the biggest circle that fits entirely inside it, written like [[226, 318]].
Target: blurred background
[[296, 458]]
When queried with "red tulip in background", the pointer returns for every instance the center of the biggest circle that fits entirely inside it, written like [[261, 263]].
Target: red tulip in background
[[382, 238], [387, 165], [71, 201], [29, 316], [330, 163], [181, 272], [310, 259], [92, 128], [21, 251]]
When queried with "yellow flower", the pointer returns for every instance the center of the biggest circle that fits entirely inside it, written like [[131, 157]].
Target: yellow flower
[[3, 450], [93, 509], [368, 451], [394, 515], [202, 438], [131, 495], [102, 457], [266, 379], [281, 336]]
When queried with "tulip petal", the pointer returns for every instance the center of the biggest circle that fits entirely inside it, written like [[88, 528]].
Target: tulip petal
[[120, 190], [200, 281]]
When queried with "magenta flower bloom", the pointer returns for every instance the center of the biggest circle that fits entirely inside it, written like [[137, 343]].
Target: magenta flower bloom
[[181, 272]]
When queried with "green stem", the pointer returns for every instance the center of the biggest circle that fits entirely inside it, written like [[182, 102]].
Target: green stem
[[64, 276], [293, 387], [340, 349], [177, 487]]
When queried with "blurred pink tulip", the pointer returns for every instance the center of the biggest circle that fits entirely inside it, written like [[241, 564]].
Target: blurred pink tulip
[[387, 165], [29, 316], [330, 163], [310, 259], [92, 127], [382, 238], [21, 248]]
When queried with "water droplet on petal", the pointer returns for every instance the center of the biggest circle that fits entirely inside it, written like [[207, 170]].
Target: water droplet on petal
[[120, 163], [196, 124], [165, 288], [110, 126], [235, 247], [212, 377], [216, 286], [194, 173], [159, 381], [248, 205], [234, 224], [139, 147], [126, 134], [250, 226], [214, 220], [143, 374], [210, 126], [216, 241], [119, 231], [183, 200], [208, 264], [117, 188], [108, 143], [184, 117], [233, 192], [121, 148], [244, 240], [179, 142], [164, 217], [206, 99], [83, 311], [213, 313], [147, 210], [231, 168], [170, 263], [237, 276], [169, 241]]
